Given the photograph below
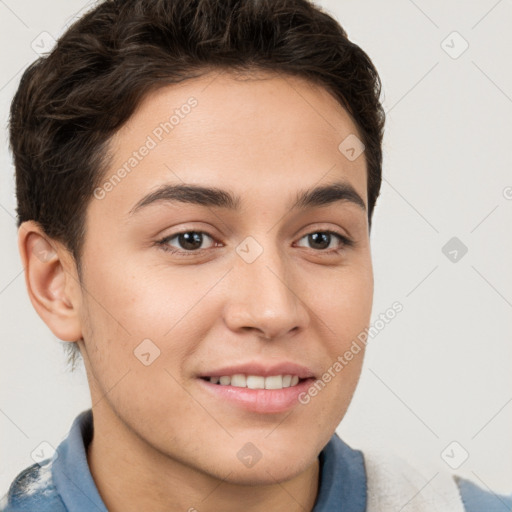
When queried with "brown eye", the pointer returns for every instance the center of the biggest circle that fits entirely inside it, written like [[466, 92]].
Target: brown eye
[[186, 241], [322, 240], [319, 240]]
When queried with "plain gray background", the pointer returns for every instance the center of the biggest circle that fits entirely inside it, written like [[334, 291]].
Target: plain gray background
[[437, 381]]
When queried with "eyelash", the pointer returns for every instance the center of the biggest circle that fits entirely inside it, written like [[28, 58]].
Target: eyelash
[[163, 243]]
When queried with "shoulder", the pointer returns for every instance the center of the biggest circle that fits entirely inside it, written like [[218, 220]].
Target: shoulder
[[33, 490], [476, 499], [62, 482]]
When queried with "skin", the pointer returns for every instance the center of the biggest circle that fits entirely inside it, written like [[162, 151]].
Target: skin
[[160, 443]]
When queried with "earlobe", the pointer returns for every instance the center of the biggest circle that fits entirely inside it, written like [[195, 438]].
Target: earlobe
[[51, 281]]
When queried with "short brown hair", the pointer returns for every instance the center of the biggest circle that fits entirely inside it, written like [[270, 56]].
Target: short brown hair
[[70, 102]]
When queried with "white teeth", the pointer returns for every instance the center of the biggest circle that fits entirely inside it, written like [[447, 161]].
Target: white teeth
[[256, 381], [238, 380], [274, 382]]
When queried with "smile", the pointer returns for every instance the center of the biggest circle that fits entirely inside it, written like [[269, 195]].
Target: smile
[[241, 380]]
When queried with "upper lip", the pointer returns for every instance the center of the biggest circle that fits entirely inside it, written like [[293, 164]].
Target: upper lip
[[263, 369]]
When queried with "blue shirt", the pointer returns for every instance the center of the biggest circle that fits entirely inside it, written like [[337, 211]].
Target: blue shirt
[[64, 483]]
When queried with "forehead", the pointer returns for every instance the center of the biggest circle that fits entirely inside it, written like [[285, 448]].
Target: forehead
[[238, 106], [263, 133]]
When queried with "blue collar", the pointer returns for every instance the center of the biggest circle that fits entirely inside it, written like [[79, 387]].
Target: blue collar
[[342, 478], [71, 474]]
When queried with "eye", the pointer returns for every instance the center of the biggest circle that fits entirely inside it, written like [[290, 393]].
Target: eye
[[322, 240], [188, 241]]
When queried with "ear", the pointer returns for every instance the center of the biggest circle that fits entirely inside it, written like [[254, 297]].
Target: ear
[[52, 281]]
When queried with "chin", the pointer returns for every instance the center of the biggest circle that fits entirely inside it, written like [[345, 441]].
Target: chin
[[270, 465], [272, 473]]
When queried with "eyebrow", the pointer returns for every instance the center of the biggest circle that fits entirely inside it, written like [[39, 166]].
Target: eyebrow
[[216, 197]]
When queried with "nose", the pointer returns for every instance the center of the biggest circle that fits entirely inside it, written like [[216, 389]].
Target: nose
[[264, 298]]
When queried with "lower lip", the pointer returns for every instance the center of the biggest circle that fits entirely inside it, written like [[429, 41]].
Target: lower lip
[[259, 400]]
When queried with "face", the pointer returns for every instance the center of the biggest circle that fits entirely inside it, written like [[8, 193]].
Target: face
[[180, 285]]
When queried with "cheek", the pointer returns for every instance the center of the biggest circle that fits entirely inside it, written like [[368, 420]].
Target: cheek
[[143, 301], [137, 335], [139, 315], [344, 305], [345, 312]]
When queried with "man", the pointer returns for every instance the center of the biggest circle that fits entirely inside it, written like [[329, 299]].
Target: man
[[195, 183]]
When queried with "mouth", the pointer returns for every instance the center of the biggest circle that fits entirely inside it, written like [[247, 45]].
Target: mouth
[[271, 394], [240, 380], [257, 386]]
